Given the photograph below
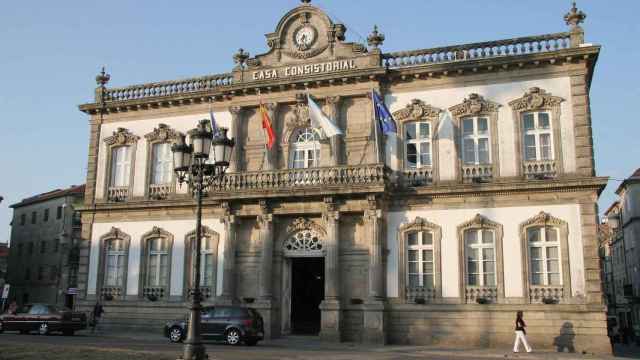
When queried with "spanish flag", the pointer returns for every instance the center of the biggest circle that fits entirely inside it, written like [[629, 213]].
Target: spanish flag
[[266, 125]]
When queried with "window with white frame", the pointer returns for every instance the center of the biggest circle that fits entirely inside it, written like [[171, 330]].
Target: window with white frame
[[206, 261], [476, 141], [544, 255], [120, 166], [480, 255], [305, 150], [162, 164], [417, 142], [115, 262], [157, 271], [420, 265], [537, 136]]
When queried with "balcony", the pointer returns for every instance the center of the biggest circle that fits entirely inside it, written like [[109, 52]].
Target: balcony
[[482, 172], [160, 191], [480, 294], [420, 295], [417, 177], [291, 179], [111, 292], [545, 294], [539, 170], [153, 293], [118, 193]]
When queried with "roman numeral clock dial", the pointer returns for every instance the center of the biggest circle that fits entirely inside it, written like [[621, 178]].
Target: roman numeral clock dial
[[305, 37]]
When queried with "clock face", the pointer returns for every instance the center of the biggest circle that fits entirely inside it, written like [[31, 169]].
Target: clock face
[[305, 37]]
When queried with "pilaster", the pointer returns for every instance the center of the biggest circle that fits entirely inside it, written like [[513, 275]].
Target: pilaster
[[374, 306], [228, 295], [333, 107], [236, 154], [331, 323], [269, 154]]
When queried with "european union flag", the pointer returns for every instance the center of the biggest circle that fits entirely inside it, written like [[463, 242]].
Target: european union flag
[[383, 115]]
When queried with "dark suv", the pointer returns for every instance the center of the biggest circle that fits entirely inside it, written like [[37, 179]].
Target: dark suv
[[232, 324]]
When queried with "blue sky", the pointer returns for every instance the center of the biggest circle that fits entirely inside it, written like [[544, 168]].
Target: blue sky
[[52, 50]]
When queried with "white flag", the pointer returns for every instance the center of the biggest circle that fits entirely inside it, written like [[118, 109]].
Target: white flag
[[320, 120]]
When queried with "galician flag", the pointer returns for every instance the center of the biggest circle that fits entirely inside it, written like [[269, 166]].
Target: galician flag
[[266, 125], [320, 120], [383, 115]]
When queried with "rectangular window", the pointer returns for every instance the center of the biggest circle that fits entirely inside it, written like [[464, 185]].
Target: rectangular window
[[43, 247], [420, 263], [30, 248], [417, 145], [34, 216], [40, 272], [537, 136], [45, 218], [480, 254], [59, 213], [56, 245], [23, 219], [476, 141], [544, 256], [53, 272], [120, 166], [162, 166], [20, 249]]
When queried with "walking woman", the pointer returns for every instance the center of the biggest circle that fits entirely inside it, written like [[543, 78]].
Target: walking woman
[[521, 334]]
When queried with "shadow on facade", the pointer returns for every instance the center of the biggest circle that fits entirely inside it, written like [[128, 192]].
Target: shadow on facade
[[564, 341]]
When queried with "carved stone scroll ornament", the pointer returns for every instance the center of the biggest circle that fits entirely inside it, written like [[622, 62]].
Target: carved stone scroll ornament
[[535, 99], [479, 221], [419, 224], [297, 119], [543, 219], [417, 110], [121, 136], [163, 133], [301, 224], [474, 105]]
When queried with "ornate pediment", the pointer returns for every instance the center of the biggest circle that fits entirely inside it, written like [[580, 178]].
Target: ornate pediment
[[163, 133], [115, 233], [479, 221], [418, 224], [543, 219], [122, 136], [207, 232], [474, 105], [302, 224], [535, 99], [157, 232], [417, 110]]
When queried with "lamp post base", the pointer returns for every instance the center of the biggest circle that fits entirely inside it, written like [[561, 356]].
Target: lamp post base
[[194, 352]]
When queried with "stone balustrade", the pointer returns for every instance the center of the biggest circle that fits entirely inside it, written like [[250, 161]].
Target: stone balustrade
[[420, 294], [118, 193], [417, 177], [303, 178], [545, 294], [168, 88], [206, 291], [478, 294], [153, 292], [160, 191], [481, 50], [539, 169], [112, 292], [481, 171]]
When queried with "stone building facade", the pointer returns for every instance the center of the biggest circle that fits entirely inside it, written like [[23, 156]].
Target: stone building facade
[[44, 253], [483, 203], [619, 250]]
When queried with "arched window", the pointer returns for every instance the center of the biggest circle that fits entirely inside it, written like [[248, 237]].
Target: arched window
[[208, 261], [305, 149], [546, 258], [482, 277], [156, 263], [112, 267]]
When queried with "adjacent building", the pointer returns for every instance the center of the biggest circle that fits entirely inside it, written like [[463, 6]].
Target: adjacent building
[[44, 253], [620, 252], [4, 256], [483, 203]]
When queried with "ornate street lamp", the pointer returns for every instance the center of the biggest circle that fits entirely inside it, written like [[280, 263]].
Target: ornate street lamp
[[194, 166]]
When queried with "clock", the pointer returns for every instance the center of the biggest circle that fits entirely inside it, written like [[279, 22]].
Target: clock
[[304, 37]]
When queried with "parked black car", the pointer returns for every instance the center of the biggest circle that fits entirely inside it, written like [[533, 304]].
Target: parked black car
[[44, 319], [233, 324]]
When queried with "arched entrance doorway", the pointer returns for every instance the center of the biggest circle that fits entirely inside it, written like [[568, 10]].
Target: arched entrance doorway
[[303, 278]]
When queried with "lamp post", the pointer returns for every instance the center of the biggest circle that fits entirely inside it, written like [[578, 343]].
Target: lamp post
[[192, 166]]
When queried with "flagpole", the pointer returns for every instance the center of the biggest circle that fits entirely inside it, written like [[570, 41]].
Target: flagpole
[[375, 125], [264, 135]]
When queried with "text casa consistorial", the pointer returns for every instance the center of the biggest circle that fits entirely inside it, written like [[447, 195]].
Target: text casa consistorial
[[299, 70]]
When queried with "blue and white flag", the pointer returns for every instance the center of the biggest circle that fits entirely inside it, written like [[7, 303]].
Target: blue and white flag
[[320, 120], [383, 115], [214, 126]]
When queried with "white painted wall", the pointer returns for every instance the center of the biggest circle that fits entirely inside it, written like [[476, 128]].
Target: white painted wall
[[502, 94], [510, 218], [179, 229], [141, 128]]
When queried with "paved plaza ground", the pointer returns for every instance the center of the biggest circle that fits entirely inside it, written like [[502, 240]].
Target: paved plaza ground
[[141, 346]]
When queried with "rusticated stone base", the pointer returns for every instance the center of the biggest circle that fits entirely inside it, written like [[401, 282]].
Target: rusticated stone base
[[269, 314], [374, 323]]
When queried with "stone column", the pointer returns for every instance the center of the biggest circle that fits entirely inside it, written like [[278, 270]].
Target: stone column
[[265, 303], [228, 295], [236, 155], [270, 161], [374, 306], [333, 105], [330, 307]]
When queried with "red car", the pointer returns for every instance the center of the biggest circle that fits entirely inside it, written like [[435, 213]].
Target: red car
[[43, 318]]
